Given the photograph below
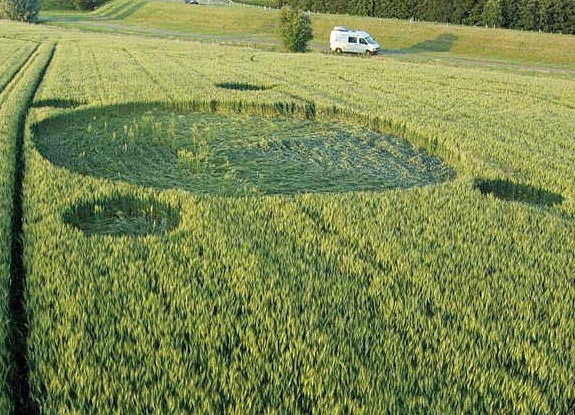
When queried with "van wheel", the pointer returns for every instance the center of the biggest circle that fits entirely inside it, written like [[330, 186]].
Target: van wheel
[[368, 53], [337, 50]]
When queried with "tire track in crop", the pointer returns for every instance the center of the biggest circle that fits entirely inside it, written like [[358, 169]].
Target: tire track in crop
[[313, 92], [18, 379], [362, 251], [150, 75], [9, 85], [98, 75], [15, 69], [277, 238]]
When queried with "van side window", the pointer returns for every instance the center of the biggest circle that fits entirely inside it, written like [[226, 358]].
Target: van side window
[[362, 41], [352, 39]]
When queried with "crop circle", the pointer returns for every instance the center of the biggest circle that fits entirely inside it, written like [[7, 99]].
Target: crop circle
[[123, 216], [234, 154]]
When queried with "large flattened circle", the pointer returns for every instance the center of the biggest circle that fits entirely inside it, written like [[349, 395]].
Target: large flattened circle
[[233, 154]]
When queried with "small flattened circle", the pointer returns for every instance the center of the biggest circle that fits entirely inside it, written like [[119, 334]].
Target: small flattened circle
[[123, 216]]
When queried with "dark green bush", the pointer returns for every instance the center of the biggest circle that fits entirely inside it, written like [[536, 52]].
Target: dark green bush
[[295, 28], [87, 4], [21, 10]]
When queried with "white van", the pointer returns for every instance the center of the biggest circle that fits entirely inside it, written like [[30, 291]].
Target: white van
[[343, 39]]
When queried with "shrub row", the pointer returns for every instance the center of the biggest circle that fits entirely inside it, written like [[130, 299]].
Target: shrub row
[[548, 15]]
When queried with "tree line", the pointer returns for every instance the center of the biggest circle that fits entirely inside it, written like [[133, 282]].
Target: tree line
[[556, 16], [27, 10], [22, 10]]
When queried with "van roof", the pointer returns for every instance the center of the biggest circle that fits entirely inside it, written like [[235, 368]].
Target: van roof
[[350, 31]]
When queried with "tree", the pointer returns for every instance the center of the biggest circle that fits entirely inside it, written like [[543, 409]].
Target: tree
[[546, 15], [529, 14], [22, 10], [493, 13], [568, 10], [461, 10], [296, 30], [510, 14], [88, 4]]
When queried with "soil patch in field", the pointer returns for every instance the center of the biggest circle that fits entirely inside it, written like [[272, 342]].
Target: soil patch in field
[[515, 192], [123, 216]]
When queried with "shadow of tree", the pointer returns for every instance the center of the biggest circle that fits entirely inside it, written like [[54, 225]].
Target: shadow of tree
[[58, 103], [242, 86], [516, 192]]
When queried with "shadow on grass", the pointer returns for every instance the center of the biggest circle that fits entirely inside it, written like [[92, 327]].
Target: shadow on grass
[[515, 192], [242, 86], [443, 43], [57, 103]]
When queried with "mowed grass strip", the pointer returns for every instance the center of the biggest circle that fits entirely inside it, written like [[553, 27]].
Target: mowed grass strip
[[203, 19]]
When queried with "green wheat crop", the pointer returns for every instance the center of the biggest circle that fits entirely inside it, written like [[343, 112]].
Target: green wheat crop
[[432, 299], [20, 76]]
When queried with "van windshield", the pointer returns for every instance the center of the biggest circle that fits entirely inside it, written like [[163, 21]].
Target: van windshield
[[370, 40]]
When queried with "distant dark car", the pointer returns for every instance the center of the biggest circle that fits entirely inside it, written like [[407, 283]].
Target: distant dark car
[[191, 1]]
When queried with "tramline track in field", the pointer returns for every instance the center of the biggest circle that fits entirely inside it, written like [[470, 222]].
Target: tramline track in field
[[18, 97]]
